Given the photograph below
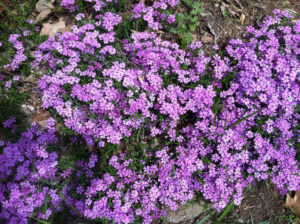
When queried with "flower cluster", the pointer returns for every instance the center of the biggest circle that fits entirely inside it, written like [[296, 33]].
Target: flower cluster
[[124, 97], [155, 15], [68, 4], [10, 123], [25, 165], [229, 119], [19, 56], [158, 186], [263, 95]]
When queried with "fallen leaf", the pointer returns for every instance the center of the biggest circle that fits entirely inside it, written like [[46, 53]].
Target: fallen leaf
[[240, 5], [121, 148], [293, 203], [207, 38], [194, 38], [31, 79], [5, 2], [134, 31], [160, 31], [41, 118], [51, 29], [242, 18], [58, 127], [141, 78], [6, 68]]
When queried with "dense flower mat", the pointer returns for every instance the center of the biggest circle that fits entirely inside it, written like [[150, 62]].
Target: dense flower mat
[[223, 121]]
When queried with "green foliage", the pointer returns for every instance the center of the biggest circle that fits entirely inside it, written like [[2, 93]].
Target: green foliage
[[15, 14], [225, 13], [289, 217], [187, 22], [243, 119], [10, 106], [13, 20], [206, 218], [226, 211]]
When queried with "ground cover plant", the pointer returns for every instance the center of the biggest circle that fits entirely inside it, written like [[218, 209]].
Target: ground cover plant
[[147, 123]]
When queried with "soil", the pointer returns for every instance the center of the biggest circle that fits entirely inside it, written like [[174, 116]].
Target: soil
[[228, 19], [262, 203]]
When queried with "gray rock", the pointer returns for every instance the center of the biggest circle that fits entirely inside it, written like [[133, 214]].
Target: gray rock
[[43, 14], [185, 214], [44, 4]]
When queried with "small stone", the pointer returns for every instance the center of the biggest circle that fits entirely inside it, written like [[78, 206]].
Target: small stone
[[185, 214], [66, 29], [27, 109], [51, 29], [194, 38], [204, 14]]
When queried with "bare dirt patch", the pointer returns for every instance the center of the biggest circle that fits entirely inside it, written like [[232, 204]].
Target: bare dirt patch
[[228, 19]]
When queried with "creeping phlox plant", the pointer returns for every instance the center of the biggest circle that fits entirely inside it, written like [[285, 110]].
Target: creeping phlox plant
[[223, 122], [157, 15], [253, 137], [15, 60], [148, 85], [26, 166]]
